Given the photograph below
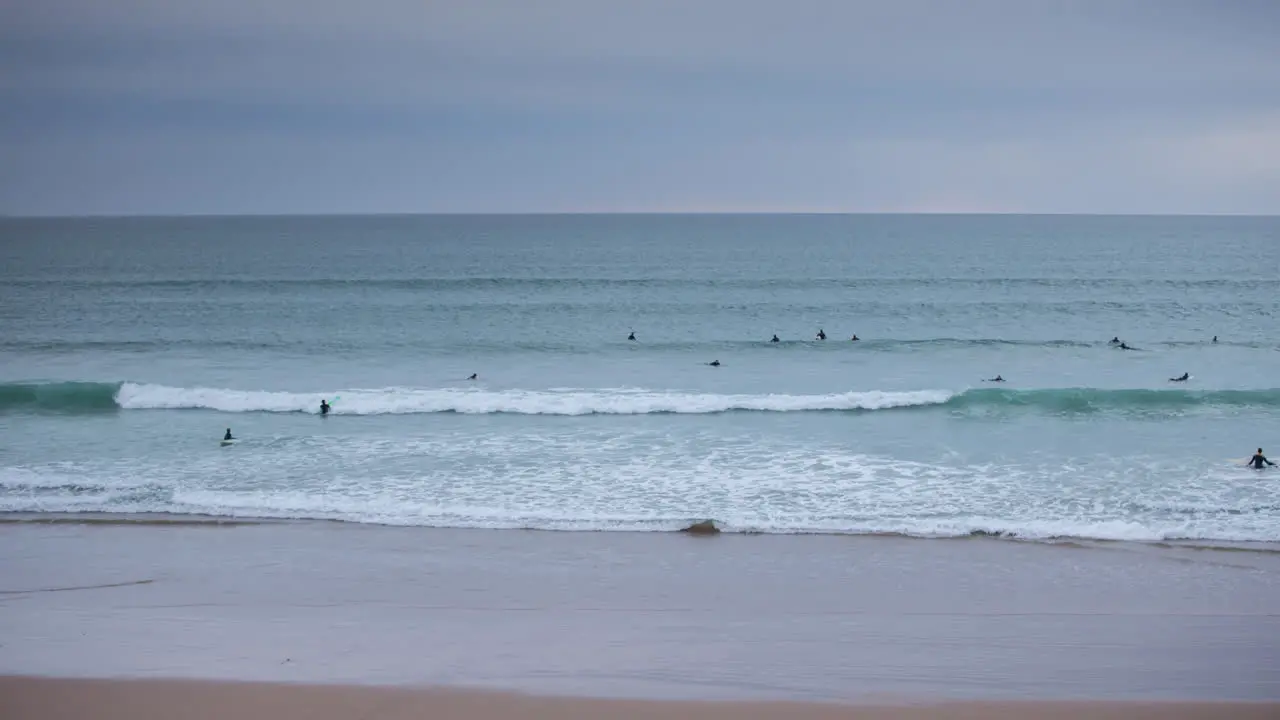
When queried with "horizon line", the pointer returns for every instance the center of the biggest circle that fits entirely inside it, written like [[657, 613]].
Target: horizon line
[[617, 213]]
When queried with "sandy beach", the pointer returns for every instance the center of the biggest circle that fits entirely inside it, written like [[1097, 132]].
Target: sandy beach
[[45, 699], [440, 623]]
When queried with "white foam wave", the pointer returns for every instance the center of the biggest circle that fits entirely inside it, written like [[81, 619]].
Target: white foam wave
[[603, 479], [525, 402]]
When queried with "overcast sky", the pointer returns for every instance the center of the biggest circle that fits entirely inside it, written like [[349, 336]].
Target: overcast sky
[[305, 106]]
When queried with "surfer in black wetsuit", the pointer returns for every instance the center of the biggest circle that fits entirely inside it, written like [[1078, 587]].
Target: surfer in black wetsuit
[[821, 335], [228, 438], [1259, 461], [1115, 340], [1125, 347], [632, 336], [1181, 378], [853, 339], [714, 363], [1215, 338], [775, 338], [324, 407], [473, 376], [998, 378]]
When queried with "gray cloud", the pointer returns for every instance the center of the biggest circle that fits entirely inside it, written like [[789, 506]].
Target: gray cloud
[[145, 106]]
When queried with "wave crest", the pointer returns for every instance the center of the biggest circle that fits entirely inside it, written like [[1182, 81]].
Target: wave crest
[[77, 397]]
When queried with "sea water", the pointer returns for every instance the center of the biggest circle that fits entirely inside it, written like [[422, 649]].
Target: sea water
[[128, 346]]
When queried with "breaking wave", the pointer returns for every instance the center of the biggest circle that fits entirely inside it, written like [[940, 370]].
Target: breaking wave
[[78, 397]]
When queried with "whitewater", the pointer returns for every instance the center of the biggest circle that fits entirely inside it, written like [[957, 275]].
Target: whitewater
[[89, 396], [121, 370]]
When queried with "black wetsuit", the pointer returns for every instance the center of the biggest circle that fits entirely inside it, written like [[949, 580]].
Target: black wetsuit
[[775, 339], [324, 408], [1259, 461], [227, 436]]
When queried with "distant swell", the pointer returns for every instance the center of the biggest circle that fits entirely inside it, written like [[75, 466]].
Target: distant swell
[[84, 397]]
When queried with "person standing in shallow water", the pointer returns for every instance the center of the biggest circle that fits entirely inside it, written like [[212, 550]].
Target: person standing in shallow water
[[324, 407], [1259, 461]]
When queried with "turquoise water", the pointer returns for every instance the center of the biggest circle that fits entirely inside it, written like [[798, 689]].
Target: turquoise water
[[174, 329]]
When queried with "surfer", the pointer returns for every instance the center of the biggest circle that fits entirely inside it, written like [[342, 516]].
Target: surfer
[[1123, 346], [854, 338], [473, 376], [1181, 378], [1259, 461], [228, 438], [714, 363], [998, 378], [1116, 340], [324, 407], [775, 338], [821, 335], [632, 336], [1215, 338]]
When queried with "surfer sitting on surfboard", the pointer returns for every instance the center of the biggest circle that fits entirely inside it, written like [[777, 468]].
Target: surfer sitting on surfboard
[[227, 437], [1259, 461]]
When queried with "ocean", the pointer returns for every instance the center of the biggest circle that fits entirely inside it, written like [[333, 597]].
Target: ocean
[[128, 346]]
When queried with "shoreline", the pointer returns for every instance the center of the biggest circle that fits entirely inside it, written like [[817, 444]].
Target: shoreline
[[38, 698], [170, 519]]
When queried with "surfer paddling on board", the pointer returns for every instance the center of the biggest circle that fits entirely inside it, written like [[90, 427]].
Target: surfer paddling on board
[[1259, 461], [998, 378], [1181, 378], [714, 363], [324, 407], [473, 376]]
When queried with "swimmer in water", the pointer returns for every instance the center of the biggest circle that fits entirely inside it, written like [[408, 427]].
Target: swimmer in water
[[1181, 378], [1259, 461]]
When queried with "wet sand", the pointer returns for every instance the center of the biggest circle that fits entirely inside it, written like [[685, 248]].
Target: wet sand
[[60, 699], [861, 620]]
